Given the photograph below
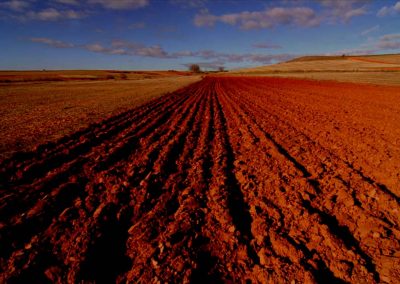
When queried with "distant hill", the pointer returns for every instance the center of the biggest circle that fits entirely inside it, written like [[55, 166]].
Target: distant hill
[[389, 58], [373, 69], [315, 58], [363, 63]]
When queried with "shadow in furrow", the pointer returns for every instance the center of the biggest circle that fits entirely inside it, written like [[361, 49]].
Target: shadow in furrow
[[306, 174], [12, 207], [207, 158], [42, 216], [386, 190], [238, 208], [169, 157], [172, 169], [130, 144], [340, 232], [313, 182], [35, 272], [345, 235], [205, 271], [381, 186], [322, 273], [106, 258], [96, 136]]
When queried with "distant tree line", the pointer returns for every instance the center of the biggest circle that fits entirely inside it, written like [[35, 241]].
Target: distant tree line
[[195, 68]]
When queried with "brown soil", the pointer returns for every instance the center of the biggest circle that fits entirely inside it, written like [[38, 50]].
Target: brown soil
[[230, 179]]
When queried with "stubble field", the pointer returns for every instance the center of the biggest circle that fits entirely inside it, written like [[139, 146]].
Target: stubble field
[[228, 179]]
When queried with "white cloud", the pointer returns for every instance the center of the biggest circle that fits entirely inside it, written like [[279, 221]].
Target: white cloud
[[52, 42], [354, 12], [189, 3], [153, 51], [96, 47], [389, 10], [19, 10], [267, 45], [122, 47], [390, 37], [384, 43], [68, 2], [137, 26], [355, 51], [344, 10], [51, 10], [121, 4], [205, 19], [383, 11], [234, 57], [389, 41], [52, 14], [15, 5], [332, 11], [370, 30], [299, 16]]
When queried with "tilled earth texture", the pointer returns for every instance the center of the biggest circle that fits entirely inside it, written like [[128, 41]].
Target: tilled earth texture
[[228, 180]]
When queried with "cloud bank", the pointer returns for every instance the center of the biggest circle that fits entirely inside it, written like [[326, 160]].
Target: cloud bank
[[389, 10], [269, 18], [57, 10], [120, 4], [123, 47]]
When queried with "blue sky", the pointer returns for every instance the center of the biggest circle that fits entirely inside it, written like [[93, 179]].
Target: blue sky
[[170, 34]]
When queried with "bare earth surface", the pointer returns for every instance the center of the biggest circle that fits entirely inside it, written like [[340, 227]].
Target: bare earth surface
[[229, 179], [32, 113]]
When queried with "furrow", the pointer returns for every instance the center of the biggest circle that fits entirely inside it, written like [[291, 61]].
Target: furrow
[[171, 217], [336, 197], [100, 197], [46, 158], [230, 179], [55, 178], [293, 176], [167, 155]]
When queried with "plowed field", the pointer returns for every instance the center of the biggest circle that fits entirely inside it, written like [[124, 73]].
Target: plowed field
[[229, 179]]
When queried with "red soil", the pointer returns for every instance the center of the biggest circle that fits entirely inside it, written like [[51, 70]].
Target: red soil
[[229, 179]]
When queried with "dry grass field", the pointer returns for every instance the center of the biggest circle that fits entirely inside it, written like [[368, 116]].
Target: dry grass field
[[374, 69], [80, 75], [39, 111], [385, 58], [378, 78]]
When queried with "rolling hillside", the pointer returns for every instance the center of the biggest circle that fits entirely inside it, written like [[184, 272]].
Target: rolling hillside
[[377, 69]]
